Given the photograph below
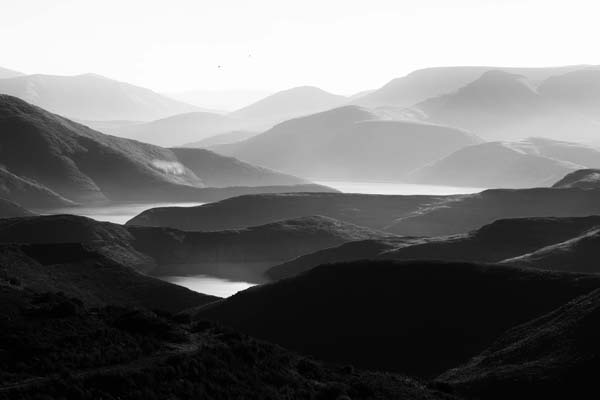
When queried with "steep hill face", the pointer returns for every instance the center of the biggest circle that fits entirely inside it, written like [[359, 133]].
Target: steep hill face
[[372, 211], [219, 171], [582, 179], [55, 155], [495, 242], [8, 209], [504, 106], [349, 143], [577, 254], [92, 97], [29, 193], [419, 318], [468, 212], [552, 357], [494, 165]]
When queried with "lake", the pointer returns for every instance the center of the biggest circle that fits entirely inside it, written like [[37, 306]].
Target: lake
[[208, 284], [397, 188], [120, 213]]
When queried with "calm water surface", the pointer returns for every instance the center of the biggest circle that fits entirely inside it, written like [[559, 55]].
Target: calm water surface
[[118, 214], [222, 287], [397, 188], [209, 284]]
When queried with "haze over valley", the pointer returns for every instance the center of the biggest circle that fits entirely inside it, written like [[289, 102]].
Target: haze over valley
[[331, 200]]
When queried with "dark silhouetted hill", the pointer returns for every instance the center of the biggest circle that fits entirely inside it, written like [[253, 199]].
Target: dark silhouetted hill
[[582, 179], [495, 242], [555, 356], [465, 213], [92, 97], [419, 318], [372, 211], [349, 143]]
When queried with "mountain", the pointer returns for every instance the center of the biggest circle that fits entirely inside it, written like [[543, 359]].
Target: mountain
[[552, 357], [576, 153], [92, 97], [76, 164], [460, 214], [577, 90], [178, 129], [55, 345], [9, 73], [583, 179], [371, 211], [242, 254], [419, 318], [290, 103], [8, 209], [423, 84], [222, 138], [493, 165], [349, 143], [578, 254], [226, 100], [494, 242], [505, 106]]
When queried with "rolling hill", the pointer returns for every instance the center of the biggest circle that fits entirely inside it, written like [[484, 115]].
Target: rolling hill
[[371, 211], [468, 212], [495, 242], [494, 165], [8, 209], [553, 357], [92, 97], [9, 73], [577, 90], [419, 318], [349, 143]]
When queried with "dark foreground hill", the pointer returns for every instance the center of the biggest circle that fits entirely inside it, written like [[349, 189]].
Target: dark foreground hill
[[415, 317], [242, 254], [78, 270], [555, 356], [463, 214], [372, 211], [49, 160], [495, 242], [54, 347], [583, 179]]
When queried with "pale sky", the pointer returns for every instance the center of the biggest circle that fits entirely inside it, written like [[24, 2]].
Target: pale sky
[[343, 46]]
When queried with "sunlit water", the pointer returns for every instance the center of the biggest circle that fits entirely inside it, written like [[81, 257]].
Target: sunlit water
[[122, 213], [209, 285], [118, 214], [397, 188]]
